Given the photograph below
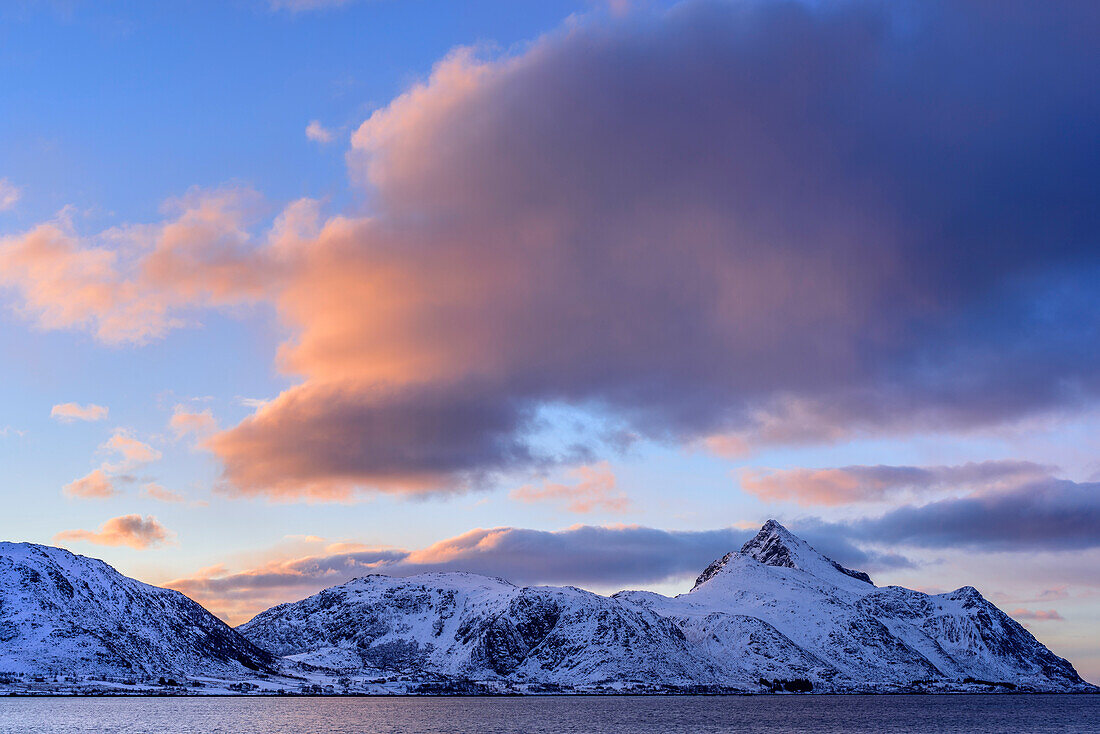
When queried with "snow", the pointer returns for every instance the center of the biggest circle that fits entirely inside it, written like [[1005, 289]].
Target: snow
[[775, 610], [66, 615]]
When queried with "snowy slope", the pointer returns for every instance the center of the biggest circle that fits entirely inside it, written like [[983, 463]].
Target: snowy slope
[[851, 633], [63, 614], [470, 626], [777, 609]]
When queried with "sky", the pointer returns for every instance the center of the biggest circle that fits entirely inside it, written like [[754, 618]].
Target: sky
[[292, 291]]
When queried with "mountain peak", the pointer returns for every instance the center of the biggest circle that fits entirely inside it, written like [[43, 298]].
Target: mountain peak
[[774, 545]]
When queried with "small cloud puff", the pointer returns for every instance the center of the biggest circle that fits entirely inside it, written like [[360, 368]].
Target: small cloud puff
[[94, 485], [134, 531], [595, 490], [185, 422], [318, 133], [69, 412], [9, 194]]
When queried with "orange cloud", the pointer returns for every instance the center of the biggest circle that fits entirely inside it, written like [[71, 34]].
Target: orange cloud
[[130, 530], [686, 243], [126, 284], [159, 493], [95, 485], [594, 490], [65, 286], [69, 412], [131, 451]]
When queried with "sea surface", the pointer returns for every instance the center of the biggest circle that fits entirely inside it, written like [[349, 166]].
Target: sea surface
[[998, 714]]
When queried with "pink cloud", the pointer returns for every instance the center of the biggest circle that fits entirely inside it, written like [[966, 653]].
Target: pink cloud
[[69, 412], [1038, 615], [594, 490], [130, 450], [666, 217], [159, 493], [94, 485], [318, 133], [130, 284], [130, 530], [196, 423]]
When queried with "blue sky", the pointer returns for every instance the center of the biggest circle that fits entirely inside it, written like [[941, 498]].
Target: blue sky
[[551, 264]]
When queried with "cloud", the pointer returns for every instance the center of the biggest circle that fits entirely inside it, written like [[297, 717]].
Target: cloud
[[94, 485], [594, 556], [306, 538], [161, 494], [69, 412], [130, 284], [1042, 515], [673, 219], [297, 6], [318, 133], [1038, 614], [320, 441], [131, 530], [758, 222], [850, 484], [130, 450], [594, 491], [99, 483], [9, 194], [186, 422]]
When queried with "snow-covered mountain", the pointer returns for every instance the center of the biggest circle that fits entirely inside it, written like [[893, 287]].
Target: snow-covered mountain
[[775, 610], [64, 614], [776, 614]]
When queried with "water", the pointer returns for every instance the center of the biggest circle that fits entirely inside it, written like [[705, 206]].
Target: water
[[617, 715]]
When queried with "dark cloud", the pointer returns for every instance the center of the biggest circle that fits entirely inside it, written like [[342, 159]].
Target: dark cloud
[[1043, 515], [847, 484], [777, 221], [321, 440]]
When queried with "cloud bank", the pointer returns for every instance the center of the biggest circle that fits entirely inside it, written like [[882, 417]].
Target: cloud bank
[[596, 556], [1049, 514], [850, 484]]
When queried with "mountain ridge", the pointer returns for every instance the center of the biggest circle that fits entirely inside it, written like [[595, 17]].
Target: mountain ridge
[[64, 613], [775, 615]]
